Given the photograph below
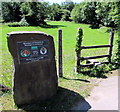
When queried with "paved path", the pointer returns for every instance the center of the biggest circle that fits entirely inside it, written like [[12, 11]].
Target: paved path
[[103, 97]]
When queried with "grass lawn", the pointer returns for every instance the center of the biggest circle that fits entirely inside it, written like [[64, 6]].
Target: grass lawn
[[73, 86]]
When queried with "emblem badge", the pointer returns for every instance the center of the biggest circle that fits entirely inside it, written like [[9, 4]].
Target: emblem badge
[[25, 53], [43, 50]]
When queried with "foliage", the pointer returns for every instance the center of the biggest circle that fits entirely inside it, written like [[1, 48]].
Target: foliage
[[14, 24], [116, 59], [102, 10], [118, 26], [68, 5], [61, 12], [23, 22], [99, 70], [34, 12], [89, 12], [55, 12], [104, 13], [77, 14], [66, 15], [0, 12], [11, 11]]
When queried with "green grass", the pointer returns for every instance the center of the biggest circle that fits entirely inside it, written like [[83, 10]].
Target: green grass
[[71, 81]]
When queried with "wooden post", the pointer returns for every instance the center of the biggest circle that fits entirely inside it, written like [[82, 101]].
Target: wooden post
[[78, 62], [111, 44], [78, 49], [60, 72]]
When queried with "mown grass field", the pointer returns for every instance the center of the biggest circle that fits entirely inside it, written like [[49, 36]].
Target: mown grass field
[[71, 81]]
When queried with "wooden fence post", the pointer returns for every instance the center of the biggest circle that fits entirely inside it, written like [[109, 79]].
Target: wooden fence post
[[111, 44], [78, 49], [78, 62], [60, 72]]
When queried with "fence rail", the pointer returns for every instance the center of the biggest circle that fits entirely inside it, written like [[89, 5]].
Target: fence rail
[[92, 64], [96, 46], [94, 57]]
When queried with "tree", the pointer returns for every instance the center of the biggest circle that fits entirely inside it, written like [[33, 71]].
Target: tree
[[96, 13], [89, 12], [68, 5], [77, 14], [55, 12], [113, 14], [11, 11], [35, 12], [66, 15], [106, 13]]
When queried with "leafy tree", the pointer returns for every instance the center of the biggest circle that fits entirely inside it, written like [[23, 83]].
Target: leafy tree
[[68, 5], [11, 11], [101, 12], [84, 12], [34, 12], [42, 11], [104, 13], [77, 14], [66, 15], [55, 12], [113, 14], [89, 12]]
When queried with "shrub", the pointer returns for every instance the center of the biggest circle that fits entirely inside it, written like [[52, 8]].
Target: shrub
[[23, 22], [116, 59], [14, 24], [99, 70]]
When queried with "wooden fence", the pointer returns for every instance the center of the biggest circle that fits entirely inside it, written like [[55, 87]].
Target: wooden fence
[[109, 55]]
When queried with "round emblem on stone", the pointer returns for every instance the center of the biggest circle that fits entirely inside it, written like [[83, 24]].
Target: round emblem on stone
[[25, 53], [43, 50]]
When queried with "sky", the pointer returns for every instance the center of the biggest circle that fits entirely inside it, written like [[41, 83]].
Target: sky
[[60, 1]]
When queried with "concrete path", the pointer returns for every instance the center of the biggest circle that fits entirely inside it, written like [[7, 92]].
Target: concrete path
[[103, 97]]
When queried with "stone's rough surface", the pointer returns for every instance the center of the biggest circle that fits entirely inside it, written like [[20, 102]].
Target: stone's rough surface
[[35, 76]]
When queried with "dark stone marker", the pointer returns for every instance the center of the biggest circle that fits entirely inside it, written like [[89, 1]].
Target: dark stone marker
[[35, 76]]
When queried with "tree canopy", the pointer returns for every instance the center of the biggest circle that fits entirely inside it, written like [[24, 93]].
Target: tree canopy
[[35, 13], [104, 13], [11, 11]]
